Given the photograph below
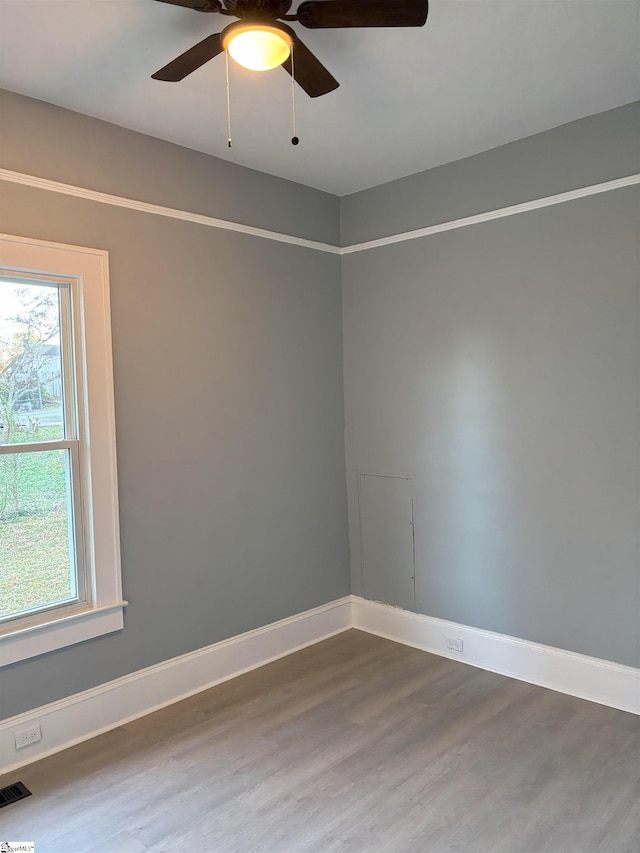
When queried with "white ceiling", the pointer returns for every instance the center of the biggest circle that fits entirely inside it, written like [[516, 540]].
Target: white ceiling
[[479, 74]]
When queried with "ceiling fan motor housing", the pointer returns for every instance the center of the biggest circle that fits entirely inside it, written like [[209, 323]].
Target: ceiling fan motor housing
[[258, 8], [209, 6]]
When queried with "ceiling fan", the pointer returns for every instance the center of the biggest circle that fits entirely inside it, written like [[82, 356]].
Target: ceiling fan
[[260, 41]]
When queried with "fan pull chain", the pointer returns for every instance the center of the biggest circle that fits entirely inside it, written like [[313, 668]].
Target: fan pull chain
[[294, 138], [229, 140]]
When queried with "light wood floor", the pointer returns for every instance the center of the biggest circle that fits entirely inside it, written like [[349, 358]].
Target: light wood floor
[[355, 744]]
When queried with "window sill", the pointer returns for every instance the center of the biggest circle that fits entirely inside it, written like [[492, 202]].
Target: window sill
[[67, 629]]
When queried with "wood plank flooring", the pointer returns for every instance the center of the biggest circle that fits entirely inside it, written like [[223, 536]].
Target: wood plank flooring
[[354, 744]]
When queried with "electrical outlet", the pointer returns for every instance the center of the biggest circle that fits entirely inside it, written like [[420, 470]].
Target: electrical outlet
[[454, 644], [28, 736]]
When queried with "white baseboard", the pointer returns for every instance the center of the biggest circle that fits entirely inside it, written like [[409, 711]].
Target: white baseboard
[[589, 678], [85, 715]]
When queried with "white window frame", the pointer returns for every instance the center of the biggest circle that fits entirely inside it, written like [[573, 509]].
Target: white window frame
[[87, 270]]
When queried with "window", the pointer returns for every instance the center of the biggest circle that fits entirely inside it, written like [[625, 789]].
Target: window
[[60, 579]]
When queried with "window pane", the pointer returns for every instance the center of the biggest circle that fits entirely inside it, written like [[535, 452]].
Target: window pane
[[37, 565], [31, 391]]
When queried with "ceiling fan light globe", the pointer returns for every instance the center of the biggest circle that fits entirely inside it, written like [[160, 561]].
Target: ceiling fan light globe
[[257, 47]]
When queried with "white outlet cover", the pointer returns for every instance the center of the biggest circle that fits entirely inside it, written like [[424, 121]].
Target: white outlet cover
[[28, 736]]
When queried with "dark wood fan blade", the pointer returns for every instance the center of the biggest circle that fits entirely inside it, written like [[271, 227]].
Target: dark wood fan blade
[[190, 60], [320, 14], [309, 72], [198, 5]]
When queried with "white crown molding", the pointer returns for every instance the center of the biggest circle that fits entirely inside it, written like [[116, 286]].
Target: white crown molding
[[597, 680], [92, 712], [211, 222], [160, 210]]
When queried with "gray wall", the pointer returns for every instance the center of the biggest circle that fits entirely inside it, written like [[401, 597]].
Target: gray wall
[[229, 412], [499, 365], [588, 151], [51, 142]]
